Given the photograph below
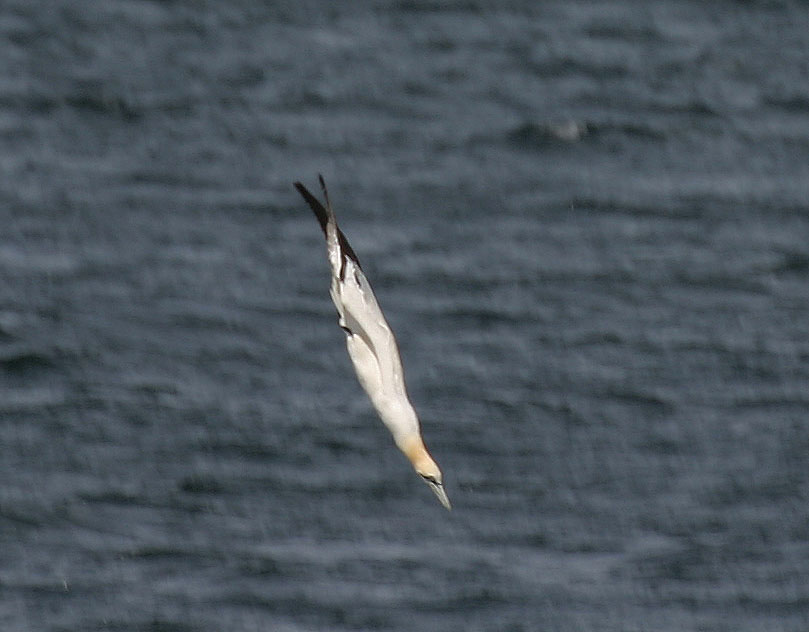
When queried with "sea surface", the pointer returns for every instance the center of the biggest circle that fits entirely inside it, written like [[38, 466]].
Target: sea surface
[[587, 223]]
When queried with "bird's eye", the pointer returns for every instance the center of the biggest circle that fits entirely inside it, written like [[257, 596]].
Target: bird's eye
[[430, 478]]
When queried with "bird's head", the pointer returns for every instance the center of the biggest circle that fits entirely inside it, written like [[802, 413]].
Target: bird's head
[[433, 479], [428, 469]]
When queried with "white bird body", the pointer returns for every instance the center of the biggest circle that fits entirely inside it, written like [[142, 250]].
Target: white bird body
[[371, 345]]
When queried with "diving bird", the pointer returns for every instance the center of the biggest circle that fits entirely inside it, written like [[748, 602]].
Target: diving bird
[[371, 344]]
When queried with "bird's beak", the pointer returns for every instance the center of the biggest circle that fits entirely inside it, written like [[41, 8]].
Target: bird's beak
[[438, 490]]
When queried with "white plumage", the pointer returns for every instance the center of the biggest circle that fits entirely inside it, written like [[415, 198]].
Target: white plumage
[[371, 345]]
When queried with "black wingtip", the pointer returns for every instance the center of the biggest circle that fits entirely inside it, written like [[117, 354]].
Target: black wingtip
[[320, 212], [324, 215]]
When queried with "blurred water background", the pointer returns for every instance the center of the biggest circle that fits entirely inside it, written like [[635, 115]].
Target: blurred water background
[[588, 223]]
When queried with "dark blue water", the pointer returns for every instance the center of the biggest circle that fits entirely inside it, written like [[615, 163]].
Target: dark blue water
[[588, 224]]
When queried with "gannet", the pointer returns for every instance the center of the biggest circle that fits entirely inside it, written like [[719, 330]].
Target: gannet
[[371, 345]]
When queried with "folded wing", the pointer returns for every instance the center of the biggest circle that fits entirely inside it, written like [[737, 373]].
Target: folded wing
[[370, 341]]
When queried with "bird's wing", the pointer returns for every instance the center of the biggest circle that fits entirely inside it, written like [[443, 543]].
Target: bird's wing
[[371, 344], [363, 318]]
